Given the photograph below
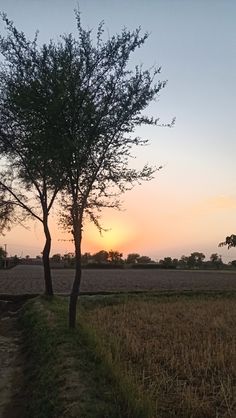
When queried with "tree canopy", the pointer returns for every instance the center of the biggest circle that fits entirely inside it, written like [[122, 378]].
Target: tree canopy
[[105, 104], [30, 133], [68, 114], [230, 241]]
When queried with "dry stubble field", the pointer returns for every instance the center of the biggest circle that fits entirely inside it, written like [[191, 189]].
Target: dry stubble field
[[29, 279], [180, 352]]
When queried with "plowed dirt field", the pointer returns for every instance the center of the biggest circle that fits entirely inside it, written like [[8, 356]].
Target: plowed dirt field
[[29, 279]]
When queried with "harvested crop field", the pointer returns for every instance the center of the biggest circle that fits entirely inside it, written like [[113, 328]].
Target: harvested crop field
[[180, 353], [29, 279]]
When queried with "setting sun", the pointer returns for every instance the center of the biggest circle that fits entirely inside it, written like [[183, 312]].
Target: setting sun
[[118, 235]]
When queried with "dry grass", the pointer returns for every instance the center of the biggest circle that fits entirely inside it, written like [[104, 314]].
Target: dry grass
[[180, 353]]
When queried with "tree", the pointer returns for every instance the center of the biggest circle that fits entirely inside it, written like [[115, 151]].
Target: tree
[[132, 258], [7, 211], [104, 104], [3, 256], [30, 85], [167, 262], [216, 260], [115, 257], [175, 262], [69, 258], [86, 258], [183, 262], [196, 259], [56, 258], [144, 259], [230, 241], [101, 256], [70, 110]]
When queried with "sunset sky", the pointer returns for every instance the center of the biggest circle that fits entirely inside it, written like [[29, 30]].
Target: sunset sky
[[191, 203]]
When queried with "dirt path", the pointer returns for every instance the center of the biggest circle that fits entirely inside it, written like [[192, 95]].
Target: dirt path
[[11, 363]]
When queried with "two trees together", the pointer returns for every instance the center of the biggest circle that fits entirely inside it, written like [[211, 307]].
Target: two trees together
[[68, 112]]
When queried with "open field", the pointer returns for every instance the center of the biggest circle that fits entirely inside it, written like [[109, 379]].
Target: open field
[[180, 353], [158, 354], [133, 356], [29, 279]]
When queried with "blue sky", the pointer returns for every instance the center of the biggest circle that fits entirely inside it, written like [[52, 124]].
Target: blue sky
[[191, 204]]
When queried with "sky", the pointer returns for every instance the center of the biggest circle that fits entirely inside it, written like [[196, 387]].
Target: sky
[[190, 205]]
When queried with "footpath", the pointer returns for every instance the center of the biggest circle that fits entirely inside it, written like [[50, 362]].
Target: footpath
[[11, 360]]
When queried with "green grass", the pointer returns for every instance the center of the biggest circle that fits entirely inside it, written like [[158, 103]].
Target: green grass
[[131, 356], [41, 363]]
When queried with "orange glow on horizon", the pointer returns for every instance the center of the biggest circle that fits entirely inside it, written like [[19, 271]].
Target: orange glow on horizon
[[120, 236], [165, 227]]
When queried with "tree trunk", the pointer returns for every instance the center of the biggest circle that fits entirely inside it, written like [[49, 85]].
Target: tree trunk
[[46, 262], [76, 284]]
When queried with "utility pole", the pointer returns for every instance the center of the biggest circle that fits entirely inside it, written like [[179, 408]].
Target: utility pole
[[5, 261]]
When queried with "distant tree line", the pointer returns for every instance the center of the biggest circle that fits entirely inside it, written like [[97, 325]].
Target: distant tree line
[[114, 258]]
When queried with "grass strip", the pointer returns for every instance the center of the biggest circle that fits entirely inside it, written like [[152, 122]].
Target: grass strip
[[41, 365], [69, 373]]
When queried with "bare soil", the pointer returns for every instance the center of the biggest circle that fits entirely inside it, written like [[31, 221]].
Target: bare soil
[[29, 280]]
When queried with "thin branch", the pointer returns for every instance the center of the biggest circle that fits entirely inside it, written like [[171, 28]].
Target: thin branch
[[19, 201]]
